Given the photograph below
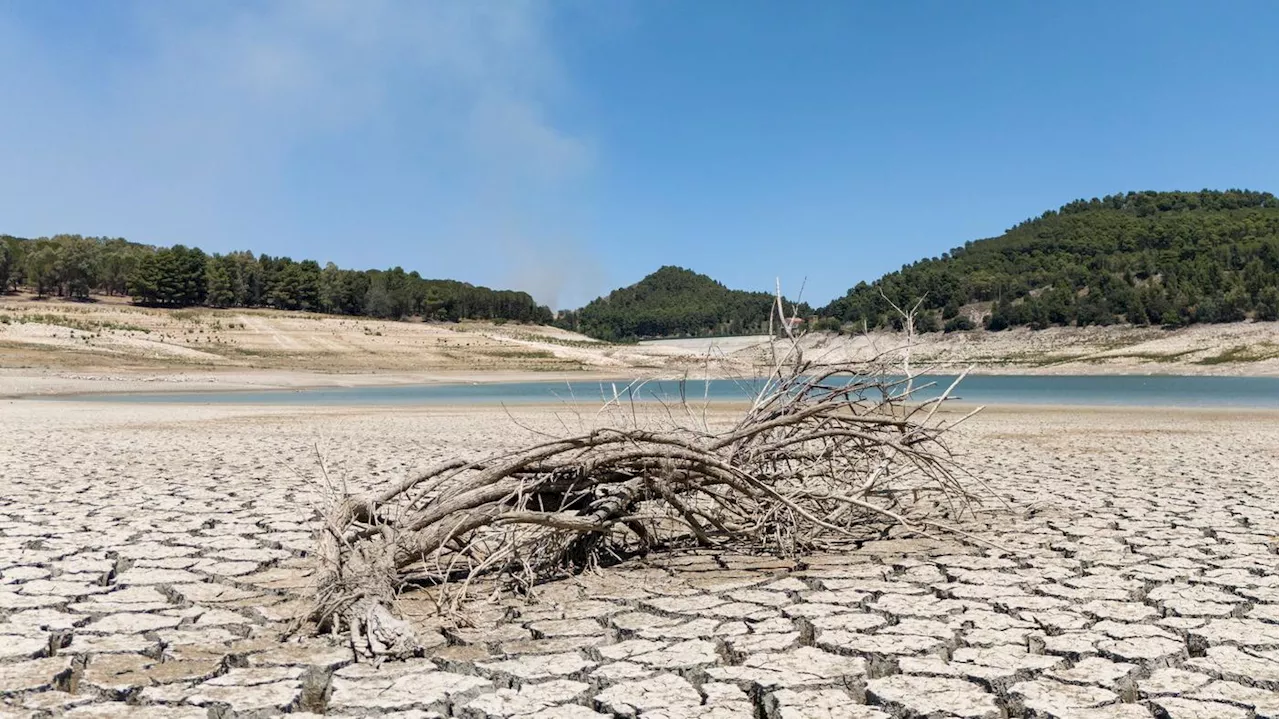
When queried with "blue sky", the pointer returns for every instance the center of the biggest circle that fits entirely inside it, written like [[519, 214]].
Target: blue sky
[[568, 148]]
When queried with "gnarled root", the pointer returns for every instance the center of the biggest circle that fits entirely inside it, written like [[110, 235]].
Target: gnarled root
[[377, 634], [825, 453], [356, 591]]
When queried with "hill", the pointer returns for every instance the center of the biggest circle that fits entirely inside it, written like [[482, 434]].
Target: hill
[[673, 302], [1145, 258], [75, 267]]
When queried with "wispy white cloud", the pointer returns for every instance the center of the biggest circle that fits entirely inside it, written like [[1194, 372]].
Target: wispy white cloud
[[193, 131], [285, 70]]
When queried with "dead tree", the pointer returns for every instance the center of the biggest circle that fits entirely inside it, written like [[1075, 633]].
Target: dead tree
[[824, 453]]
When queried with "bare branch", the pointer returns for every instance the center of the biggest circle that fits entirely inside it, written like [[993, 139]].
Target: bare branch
[[824, 452]]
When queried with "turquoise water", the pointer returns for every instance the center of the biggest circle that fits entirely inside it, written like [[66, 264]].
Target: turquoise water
[[1162, 391]]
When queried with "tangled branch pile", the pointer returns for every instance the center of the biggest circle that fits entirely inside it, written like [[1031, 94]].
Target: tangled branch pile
[[826, 452]]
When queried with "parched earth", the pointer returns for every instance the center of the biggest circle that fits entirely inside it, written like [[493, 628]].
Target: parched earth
[[151, 556]]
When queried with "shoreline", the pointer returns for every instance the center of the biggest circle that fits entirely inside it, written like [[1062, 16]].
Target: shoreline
[[957, 407], [720, 407], [54, 383], [69, 348]]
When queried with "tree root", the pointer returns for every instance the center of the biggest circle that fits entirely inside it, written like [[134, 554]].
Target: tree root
[[825, 452]]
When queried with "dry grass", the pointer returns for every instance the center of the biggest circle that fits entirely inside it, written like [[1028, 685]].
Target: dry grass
[[52, 334]]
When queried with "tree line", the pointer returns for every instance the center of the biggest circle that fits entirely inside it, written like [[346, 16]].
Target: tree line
[[75, 267], [1144, 258]]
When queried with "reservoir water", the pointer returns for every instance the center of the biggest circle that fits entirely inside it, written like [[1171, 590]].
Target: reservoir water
[[1091, 390]]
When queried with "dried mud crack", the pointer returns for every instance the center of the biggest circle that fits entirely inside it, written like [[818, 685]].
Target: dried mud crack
[[151, 557]]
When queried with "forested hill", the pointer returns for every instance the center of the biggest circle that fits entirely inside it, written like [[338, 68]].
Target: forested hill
[[76, 267], [672, 302], [1169, 258]]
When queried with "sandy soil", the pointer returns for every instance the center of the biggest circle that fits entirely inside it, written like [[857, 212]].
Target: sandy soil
[[51, 347], [1246, 348], [61, 347], [151, 555], [117, 335]]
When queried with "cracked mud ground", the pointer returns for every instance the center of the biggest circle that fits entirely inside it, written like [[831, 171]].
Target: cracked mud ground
[[150, 556]]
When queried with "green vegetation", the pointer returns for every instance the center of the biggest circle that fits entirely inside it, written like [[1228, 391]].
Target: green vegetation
[[1153, 356], [1164, 258], [517, 354], [1240, 353], [73, 267], [553, 340], [1144, 258], [673, 302], [73, 323]]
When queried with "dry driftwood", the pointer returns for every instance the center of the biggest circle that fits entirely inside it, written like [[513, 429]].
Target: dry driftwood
[[825, 452]]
